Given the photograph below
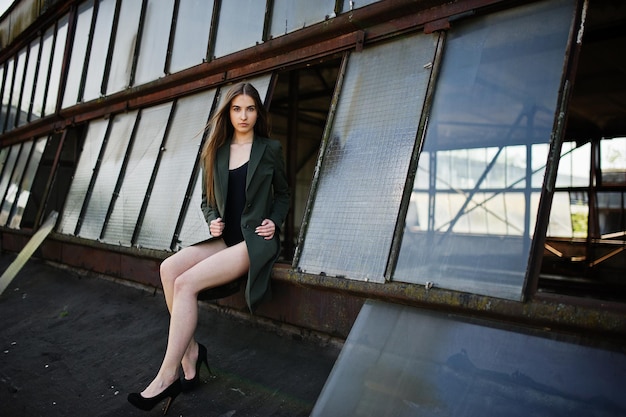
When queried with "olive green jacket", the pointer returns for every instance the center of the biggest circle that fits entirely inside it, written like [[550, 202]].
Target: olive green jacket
[[267, 197]]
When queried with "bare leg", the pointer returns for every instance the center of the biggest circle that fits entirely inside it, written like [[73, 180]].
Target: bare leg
[[175, 266], [217, 269]]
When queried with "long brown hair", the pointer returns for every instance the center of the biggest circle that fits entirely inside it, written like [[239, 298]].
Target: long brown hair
[[223, 130]]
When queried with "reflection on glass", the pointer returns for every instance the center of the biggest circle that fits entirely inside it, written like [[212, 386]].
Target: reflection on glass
[[175, 169], [99, 50], [364, 168], [14, 183], [240, 26], [495, 98], [79, 50], [402, 361], [140, 166], [125, 38], [191, 39], [42, 74], [26, 184], [29, 83], [107, 175], [288, 15], [85, 169], [154, 40], [57, 61]]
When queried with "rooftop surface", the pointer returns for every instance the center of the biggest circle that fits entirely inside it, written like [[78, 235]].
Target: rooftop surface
[[76, 344]]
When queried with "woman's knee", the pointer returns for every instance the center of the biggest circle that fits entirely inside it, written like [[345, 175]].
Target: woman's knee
[[167, 271]]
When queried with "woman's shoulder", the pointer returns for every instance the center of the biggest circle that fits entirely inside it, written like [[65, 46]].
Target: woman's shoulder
[[273, 143]]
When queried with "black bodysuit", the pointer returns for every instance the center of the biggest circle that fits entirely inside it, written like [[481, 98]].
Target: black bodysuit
[[235, 202]]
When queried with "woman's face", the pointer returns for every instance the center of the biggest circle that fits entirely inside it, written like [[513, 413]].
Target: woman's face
[[243, 114]]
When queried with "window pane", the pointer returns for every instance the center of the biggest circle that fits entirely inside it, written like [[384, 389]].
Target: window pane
[[99, 49], [42, 74], [195, 228], [191, 39], [17, 89], [104, 186], [496, 96], [574, 165], [82, 177], [175, 170], [240, 26], [14, 183], [122, 62], [79, 50], [289, 15], [143, 154], [7, 173], [364, 170], [154, 40], [6, 97], [613, 161], [57, 61], [29, 82], [403, 361], [26, 183]]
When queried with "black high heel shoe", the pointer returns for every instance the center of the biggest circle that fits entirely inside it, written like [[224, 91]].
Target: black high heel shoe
[[148, 404], [189, 384]]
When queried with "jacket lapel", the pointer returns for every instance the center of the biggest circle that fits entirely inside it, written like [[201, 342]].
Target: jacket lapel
[[256, 153]]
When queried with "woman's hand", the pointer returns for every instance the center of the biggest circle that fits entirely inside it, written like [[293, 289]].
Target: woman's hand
[[216, 227], [266, 229]]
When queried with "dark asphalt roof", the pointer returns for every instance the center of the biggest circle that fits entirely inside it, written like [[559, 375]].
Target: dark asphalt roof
[[76, 344]]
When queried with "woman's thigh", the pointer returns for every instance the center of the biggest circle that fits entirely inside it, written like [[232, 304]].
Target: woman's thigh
[[218, 268], [186, 258]]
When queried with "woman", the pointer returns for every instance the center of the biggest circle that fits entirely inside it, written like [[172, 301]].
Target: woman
[[245, 199]]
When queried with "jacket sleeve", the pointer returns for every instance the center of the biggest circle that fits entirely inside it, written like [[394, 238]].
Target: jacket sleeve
[[280, 186]]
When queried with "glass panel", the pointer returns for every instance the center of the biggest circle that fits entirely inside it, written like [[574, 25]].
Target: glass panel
[[496, 96], [613, 161], [7, 173], [611, 214], [82, 177], [99, 49], [191, 39], [104, 186], [154, 40], [29, 83], [79, 50], [574, 165], [2, 115], [143, 154], [175, 170], [6, 97], [402, 361], [125, 38], [42, 74], [26, 184], [367, 158], [14, 183], [289, 15], [195, 228], [240, 26], [17, 89], [57, 61]]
